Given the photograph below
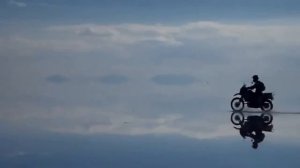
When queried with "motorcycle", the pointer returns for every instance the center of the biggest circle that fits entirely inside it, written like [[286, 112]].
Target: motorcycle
[[246, 96]]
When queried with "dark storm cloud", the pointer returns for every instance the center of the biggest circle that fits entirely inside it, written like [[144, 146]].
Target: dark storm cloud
[[173, 79]]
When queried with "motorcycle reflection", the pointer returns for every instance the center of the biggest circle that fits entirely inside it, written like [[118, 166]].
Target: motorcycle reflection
[[253, 126]]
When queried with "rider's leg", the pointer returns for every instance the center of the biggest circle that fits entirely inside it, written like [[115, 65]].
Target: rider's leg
[[258, 98]]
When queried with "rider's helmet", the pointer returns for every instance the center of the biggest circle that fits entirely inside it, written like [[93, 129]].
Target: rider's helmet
[[255, 78]]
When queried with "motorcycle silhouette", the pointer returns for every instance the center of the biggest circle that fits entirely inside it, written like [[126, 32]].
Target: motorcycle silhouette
[[246, 96]]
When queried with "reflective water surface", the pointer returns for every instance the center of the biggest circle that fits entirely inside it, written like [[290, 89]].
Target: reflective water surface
[[214, 143]]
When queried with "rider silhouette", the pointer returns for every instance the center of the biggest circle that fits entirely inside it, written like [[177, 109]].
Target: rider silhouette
[[254, 128], [259, 88]]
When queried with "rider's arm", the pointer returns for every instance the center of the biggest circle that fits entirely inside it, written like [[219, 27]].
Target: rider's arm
[[252, 87]]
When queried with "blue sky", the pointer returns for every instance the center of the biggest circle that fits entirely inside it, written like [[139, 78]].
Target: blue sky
[[140, 70], [143, 11]]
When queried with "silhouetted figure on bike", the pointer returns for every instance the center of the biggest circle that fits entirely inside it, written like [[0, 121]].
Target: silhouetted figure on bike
[[257, 95], [252, 97]]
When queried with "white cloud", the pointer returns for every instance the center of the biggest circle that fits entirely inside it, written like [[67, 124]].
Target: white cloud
[[17, 3], [176, 35], [97, 37], [121, 34], [86, 120]]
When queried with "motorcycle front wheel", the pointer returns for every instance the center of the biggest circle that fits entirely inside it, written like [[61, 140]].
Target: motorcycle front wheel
[[267, 106], [237, 104], [237, 118]]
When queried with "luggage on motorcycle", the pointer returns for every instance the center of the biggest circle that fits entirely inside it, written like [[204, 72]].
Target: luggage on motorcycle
[[268, 96], [268, 128]]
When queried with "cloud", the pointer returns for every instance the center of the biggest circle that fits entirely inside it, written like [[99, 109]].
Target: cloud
[[126, 37], [17, 3], [118, 38], [204, 127], [122, 34], [176, 35]]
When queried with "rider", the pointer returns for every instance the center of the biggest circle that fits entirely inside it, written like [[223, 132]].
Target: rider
[[254, 128], [259, 88]]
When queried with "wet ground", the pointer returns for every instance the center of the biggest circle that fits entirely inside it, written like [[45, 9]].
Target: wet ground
[[25, 148]]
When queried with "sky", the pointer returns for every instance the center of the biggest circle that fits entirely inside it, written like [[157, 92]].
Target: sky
[[107, 81]]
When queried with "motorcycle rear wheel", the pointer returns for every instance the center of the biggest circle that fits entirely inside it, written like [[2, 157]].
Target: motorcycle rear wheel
[[267, 106], [268, 118], [237, 104]]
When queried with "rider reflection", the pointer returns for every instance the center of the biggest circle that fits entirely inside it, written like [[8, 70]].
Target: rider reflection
[[254, 126]]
